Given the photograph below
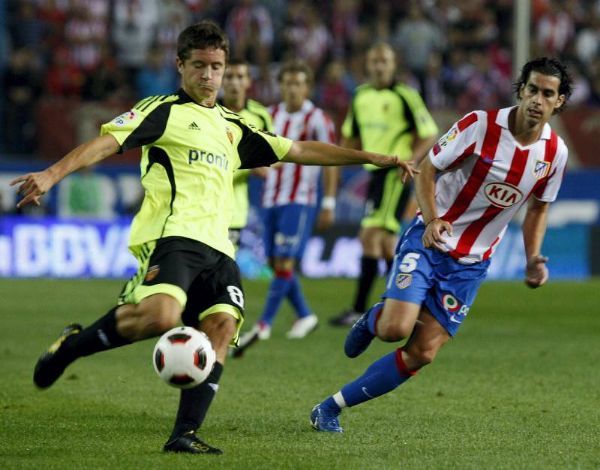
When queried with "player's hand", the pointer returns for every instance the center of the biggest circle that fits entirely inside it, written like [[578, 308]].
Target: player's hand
[[433, 237], [407, 170], [536, 272], [325, 219], [33, 186]]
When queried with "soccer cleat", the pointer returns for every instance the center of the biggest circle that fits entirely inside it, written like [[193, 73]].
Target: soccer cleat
[[325, 420], [260, 331], [191, 444], [303, 326], [263, 329], [51, 364], [359, 337], [244, 344], [345, 318]]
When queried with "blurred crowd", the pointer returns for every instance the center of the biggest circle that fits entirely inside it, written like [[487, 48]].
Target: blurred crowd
[[458, 53]]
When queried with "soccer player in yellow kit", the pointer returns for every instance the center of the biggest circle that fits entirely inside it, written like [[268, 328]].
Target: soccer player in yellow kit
[[191, 147], [389, 117], [236, 83]]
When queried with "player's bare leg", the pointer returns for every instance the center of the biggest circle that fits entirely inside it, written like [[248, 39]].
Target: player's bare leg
[[372, 240], [122, 325], [390, 371], [220, 328], [392, 320], [389, 243], [151, 317], [427, 339]]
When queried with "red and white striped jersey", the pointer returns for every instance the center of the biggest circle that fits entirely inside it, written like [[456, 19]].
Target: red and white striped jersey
[[290, 183], [487, 176]]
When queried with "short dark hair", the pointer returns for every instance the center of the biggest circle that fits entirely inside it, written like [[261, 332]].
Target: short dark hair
[[546, 66], [204, 35], [238, 61], [296, 66]]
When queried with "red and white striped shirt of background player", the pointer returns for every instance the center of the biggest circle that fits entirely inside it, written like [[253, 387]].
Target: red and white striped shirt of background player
[[487, 176], [290, 183]]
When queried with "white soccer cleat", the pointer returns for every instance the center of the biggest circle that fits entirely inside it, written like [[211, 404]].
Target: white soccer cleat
[[259, 330], [303, 326], [264, 330]]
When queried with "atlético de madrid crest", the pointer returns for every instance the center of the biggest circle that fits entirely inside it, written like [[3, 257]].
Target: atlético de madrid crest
[[541, 168], [403, 280]]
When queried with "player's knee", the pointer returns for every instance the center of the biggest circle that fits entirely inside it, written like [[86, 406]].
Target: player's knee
[[155, 315], [227, 328], [220, 327], [390, 329], [159, 322]]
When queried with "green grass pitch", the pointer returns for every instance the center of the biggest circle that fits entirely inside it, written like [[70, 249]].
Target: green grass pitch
[[519, 387]]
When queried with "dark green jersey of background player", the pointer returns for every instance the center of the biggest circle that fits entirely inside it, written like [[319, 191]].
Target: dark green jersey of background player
[[384, 119], [189, 155]]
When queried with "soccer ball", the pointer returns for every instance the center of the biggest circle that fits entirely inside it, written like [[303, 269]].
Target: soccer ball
[[183, 357]]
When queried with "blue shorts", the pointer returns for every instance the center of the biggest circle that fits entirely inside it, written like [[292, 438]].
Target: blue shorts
[[287, 229], [431, 278]]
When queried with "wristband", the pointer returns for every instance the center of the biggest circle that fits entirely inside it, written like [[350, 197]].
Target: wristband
[[328, 202]]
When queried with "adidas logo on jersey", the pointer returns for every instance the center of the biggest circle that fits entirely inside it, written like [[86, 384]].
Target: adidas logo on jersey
[[193, 126]]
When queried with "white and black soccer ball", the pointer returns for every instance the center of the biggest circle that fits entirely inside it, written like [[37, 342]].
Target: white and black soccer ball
[[183, 357]]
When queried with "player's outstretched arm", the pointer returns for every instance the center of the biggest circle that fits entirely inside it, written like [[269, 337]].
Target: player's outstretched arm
[[34, 185], [534, 229], [321, 153]]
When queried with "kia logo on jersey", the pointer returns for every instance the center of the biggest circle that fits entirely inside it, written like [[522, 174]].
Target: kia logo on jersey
[[503, 195]]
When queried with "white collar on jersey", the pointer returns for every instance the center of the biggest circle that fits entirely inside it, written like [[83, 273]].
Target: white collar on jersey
[[502, 121], [307, 105]]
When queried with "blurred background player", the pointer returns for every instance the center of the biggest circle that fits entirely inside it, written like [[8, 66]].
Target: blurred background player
[[236, 83], [289, 202], [391, 117], [473, 182]]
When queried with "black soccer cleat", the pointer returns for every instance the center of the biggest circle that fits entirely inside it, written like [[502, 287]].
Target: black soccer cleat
[[191, 444], [246, 341], [345, 318], [52, 363]]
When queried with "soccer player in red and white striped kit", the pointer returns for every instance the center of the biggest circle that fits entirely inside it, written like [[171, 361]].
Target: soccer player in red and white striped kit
[[290, 198], [473, 182]]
